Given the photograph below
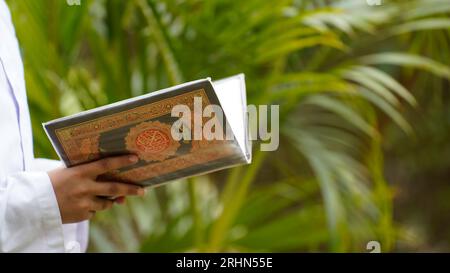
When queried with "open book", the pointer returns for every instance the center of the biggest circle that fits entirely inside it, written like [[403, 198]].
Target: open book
[[169, 147]]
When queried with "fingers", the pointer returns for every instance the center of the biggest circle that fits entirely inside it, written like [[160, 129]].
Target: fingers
[[89, 216], [117, 189], [99, 204], [108, 164]]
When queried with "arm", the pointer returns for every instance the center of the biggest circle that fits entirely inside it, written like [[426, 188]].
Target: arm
[[39, 210], [75, 235], [35, 205], [29, 216]]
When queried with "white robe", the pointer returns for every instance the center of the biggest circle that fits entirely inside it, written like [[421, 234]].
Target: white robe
[[30, 220]]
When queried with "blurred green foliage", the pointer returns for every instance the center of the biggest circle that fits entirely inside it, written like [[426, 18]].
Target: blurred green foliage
[[341, 71]]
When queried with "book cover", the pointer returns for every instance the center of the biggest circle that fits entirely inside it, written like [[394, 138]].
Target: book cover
[[142, 126]]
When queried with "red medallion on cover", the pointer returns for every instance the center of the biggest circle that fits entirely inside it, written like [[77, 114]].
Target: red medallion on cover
[[151, 141]]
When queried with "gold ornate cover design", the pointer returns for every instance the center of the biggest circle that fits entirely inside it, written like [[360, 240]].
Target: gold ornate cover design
[[151, 141]]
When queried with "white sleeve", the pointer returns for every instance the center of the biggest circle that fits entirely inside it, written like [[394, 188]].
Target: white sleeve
[[30, 220], [75, 235], [29, 215]]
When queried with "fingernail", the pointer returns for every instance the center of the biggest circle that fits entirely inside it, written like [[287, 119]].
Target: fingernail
[[133, 159], [120, 200], [142, 191]]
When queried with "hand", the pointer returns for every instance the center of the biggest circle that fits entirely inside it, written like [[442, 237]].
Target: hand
[[80, 195]]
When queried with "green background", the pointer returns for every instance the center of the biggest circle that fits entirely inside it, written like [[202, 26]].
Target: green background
[[364, 125]]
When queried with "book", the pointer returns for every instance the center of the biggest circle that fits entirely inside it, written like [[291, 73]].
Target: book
[[146, 126]]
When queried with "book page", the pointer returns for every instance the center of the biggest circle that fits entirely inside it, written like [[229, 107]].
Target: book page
[[231, 94]]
